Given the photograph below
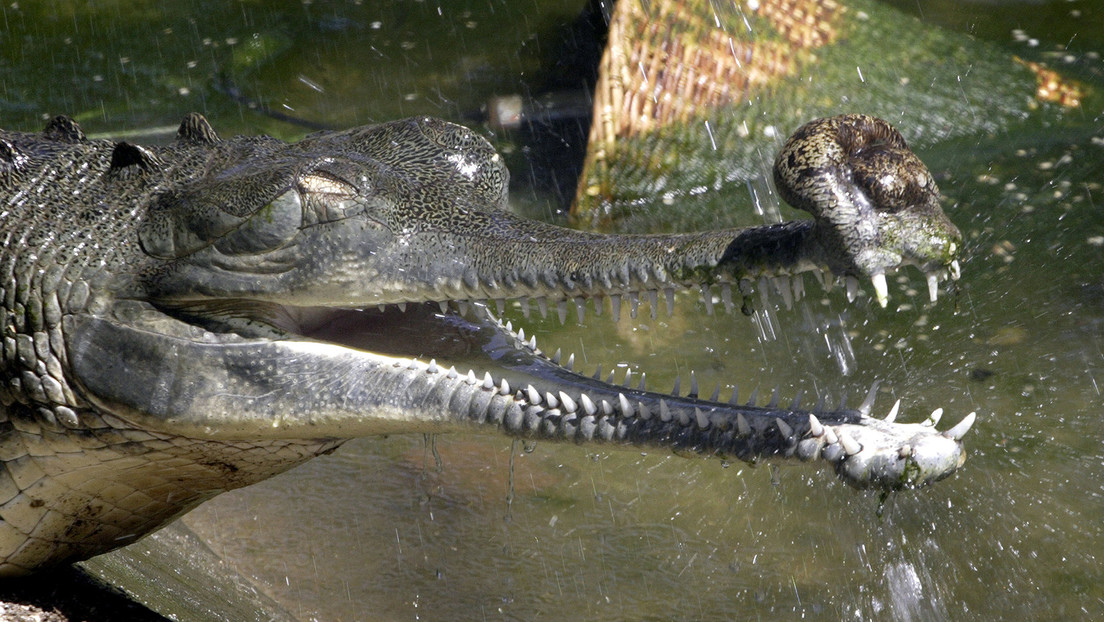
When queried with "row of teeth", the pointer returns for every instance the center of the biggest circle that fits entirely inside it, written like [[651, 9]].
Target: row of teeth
[[790, 288], [837, 444]]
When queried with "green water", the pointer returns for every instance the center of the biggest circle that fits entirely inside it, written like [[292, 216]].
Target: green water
[[379, 531]]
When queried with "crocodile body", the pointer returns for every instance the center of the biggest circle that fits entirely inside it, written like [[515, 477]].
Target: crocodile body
[[183, 320]]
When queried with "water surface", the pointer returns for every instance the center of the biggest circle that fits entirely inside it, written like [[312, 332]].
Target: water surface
[[479, 527]]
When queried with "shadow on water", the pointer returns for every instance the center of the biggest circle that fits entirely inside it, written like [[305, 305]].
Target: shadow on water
[[378, 531]]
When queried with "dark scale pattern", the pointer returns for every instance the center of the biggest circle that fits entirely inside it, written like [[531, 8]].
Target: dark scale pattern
[[179, 321], [75, 482]]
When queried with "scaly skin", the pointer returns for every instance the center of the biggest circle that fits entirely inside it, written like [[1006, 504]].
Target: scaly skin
[[183, 320]]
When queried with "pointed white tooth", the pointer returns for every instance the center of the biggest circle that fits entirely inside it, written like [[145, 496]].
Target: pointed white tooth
[[699, 416], [463, 306], [598, 372], [726, 297], [868, 403], [754, 396], [521, 334], [452, 375], [934, 418], [735, 397], [626, 407], [542, 305], [955, 270], [675, 390], [615, 307], [561, 310], [634, 304], [613, 372], [892, 416], [443, 305], [642, 376], [669, 298], [818, 274], [568, 403], [799, 286], [556, 356], [881, 290], [606, 407], [645, 413], [933, 287], [693, 384], [852, 288], [742, 425], [716, 394], [500, 306], [774, 398], [653, 301], [402, 307], [524, 302], [504, 387], [580, 308], [707, 298], [471, 377], [570, 362], [588, 404], [830, 436], [684, 418], [433, 369], [850, 445], [488, 382], [533, 343], [961, 428], [784, 428], [628, 378], [509, 326], [381, 308], [664, 411], [815, 427], [533, 395], [551, 400]]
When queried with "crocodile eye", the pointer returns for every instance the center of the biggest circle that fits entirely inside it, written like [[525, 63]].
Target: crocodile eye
[[269, 228]]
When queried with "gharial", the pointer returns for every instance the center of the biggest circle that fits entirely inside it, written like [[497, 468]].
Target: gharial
[[186, 319]]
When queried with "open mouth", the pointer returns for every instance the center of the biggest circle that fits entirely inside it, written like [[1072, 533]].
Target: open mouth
[[460, 356]]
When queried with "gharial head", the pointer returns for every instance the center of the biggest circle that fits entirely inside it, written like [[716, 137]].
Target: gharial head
[[305, 251], [857, 172], [230, 308], [305, 222]]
